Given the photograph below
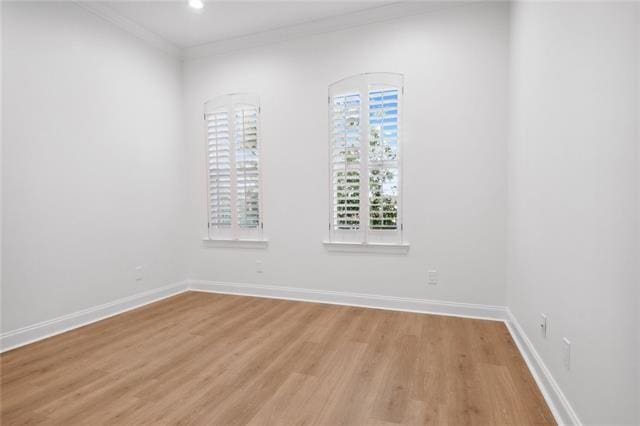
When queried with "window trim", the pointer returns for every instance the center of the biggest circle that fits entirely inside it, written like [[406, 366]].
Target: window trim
[[234, 235], [373, 248], [364, 236], [241, 244]]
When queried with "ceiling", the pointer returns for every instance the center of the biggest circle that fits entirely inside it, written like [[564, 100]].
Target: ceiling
[[184, 27]]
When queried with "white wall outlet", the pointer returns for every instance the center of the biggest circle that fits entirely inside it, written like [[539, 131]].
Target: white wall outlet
[[432, 277], [566, 353], [259, 266], [543, 325], [139, 274]]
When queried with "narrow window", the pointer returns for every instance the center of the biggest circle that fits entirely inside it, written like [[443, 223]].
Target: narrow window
[[233, 167], [365, 163]]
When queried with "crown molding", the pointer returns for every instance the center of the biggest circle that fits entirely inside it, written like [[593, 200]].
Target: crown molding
[[325, 25], [108, 14], [373, 15]]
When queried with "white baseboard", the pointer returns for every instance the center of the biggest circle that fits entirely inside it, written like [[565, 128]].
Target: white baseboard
[[558, 403], [23, 336], [467, 310]]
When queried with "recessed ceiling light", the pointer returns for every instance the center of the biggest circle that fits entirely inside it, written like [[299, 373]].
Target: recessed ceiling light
[[196, 4]]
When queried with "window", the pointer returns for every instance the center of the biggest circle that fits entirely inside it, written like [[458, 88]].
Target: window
[[233, 173], [365, 158]]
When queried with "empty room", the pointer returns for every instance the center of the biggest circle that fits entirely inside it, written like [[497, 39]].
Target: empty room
[[367, 213]]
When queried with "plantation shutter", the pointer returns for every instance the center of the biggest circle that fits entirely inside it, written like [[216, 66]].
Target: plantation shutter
[[384, 168], [248, 182], [219, 168], [345, 157], [365, 161], [234, 193]]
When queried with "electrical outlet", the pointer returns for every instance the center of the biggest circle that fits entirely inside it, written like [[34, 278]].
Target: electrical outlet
[[566, 353], [432, 277], [543, 325], [259, 266], [139, 274]]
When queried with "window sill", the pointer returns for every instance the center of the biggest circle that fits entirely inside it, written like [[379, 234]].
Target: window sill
[[380, 248], [237, 243]]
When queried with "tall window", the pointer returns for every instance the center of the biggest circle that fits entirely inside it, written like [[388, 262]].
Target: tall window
[[365, 134], [233, 172]]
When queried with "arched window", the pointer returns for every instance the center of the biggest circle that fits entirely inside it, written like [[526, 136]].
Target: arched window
[[233, 167], [365, 123]]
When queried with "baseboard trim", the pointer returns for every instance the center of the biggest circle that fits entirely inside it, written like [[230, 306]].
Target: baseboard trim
[[30, 334], [466, 310], [557, 401]]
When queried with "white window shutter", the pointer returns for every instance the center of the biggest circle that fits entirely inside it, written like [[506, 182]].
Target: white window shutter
[[233, 167], [246, 159], [345, 161], [219, 168], [384, 168], [365, 158]]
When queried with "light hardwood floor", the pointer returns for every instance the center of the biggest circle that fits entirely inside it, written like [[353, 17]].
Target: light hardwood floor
[[201, 358]]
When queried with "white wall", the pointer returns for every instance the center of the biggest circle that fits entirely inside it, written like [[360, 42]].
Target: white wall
[[573, 211], [98, 175], [93, 174], [455, 64]]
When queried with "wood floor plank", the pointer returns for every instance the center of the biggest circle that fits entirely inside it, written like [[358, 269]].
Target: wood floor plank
[[200, 358], [357, 397], [282, 408], [394, 392]]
